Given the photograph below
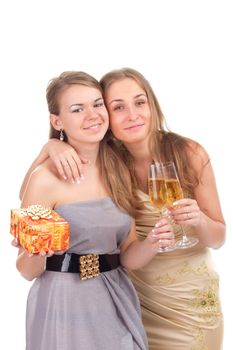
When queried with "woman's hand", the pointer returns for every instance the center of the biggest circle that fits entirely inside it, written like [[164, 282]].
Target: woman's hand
[[186, 212], [161, 235], [42, 253], [136, 253], [15, 243], [68, 162]]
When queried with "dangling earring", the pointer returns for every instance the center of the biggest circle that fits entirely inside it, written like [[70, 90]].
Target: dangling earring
[[61, 137]]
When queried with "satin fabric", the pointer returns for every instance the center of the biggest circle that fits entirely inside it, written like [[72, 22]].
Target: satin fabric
[[179, 294]]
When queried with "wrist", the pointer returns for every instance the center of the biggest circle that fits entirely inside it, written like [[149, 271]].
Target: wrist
[[44, 153]]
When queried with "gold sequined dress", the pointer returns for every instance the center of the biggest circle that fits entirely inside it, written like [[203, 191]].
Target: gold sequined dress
[[179, 294]]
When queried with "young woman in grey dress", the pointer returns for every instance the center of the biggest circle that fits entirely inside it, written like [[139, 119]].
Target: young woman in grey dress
[[65, 312]]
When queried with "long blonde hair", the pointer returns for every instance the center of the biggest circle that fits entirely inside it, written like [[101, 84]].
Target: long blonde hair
[[164, 144], [114, 173]]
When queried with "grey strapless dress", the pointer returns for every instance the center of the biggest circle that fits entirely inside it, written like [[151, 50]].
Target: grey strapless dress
[[102, 313]]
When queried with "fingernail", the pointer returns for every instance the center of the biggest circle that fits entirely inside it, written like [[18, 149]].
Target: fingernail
[[82, 177], [174, 203], [77, 181], [157, 224]]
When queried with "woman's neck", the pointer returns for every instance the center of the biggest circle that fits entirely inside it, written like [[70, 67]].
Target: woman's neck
[[141, 155], [139, 151], [89, 152]]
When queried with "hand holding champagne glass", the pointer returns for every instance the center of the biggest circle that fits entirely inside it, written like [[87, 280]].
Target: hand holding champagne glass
[[157, 194], [174, 193]]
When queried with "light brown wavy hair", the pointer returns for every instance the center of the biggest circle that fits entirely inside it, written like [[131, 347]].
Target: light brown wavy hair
[[114, 172], [164, 144]]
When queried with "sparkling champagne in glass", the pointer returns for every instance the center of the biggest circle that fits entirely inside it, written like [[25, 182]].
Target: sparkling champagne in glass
[[174, 193], [157, 194]]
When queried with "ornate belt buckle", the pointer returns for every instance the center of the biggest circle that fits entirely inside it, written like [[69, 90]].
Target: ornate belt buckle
[[89, 266]]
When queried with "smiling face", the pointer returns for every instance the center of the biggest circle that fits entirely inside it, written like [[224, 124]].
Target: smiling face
[[129, 111], [82, 114]]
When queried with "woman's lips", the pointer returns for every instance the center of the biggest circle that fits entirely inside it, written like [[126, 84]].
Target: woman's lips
[[93, 127], [134, 127]]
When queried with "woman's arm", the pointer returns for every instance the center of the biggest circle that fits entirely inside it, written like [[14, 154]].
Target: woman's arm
[[65, 158], [136, 254], [38, 192], [30, 266], [204, 211]]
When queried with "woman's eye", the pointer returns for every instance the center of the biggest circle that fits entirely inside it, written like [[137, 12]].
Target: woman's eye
[[118, 108], [99, 104], [77, 110], [140, 103]]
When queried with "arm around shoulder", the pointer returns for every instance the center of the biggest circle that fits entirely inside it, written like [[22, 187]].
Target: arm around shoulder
[[66, 160]]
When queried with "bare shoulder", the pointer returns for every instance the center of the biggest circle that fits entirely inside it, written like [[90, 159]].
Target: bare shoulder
[[197, 155], [43, 175], [41, 186]]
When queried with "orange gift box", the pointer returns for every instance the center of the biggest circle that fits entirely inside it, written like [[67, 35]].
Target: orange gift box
[[39, 229]]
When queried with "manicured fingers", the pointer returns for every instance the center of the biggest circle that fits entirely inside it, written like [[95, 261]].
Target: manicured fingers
[[186, 212], [47, 254], [70, 166], [162, 232], [15, 243], [42, 253]]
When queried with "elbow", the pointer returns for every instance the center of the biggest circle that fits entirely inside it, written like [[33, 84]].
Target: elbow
[[129, 265], [24, 273], [27, 277], [126, 264], [220, 243], [221, 238]]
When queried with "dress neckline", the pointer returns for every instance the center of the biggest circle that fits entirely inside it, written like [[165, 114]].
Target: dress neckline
[[96, 200]]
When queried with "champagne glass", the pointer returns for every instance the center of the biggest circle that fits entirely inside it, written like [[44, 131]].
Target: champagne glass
[[174, 193], [157, 195]]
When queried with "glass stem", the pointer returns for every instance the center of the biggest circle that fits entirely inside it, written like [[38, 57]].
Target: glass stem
[[184, 236]]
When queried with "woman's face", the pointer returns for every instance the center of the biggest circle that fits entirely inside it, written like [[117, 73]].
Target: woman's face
[[129, 111], [83, 115]]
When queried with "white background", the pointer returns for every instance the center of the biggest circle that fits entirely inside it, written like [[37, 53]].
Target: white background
[[183, 47]]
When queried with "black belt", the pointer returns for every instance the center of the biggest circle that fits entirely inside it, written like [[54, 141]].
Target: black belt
[[88, 265]]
